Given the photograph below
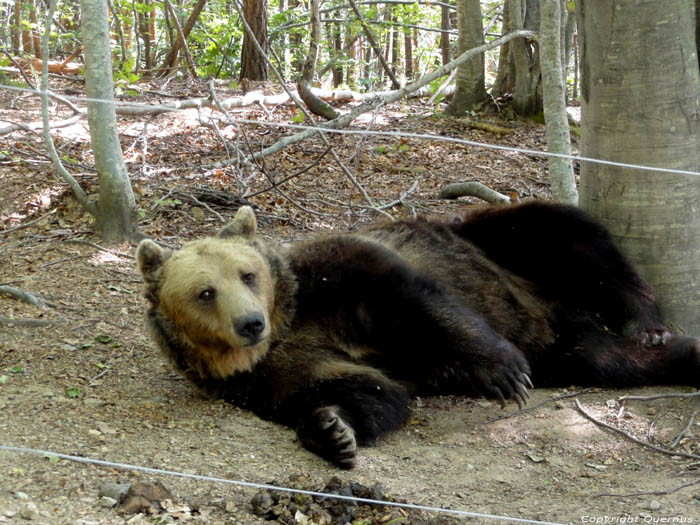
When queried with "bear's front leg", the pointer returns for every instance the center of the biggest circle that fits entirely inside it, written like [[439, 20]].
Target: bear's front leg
[[325, 433]]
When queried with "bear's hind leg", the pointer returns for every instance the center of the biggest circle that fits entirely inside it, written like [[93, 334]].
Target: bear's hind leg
[[570, 258]]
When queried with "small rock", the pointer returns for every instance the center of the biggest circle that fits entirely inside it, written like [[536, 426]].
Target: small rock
[[651, 411], [94, 432], [28, 512], [559, 405], [654, 505], [107, 502], [21, 495], [115, 491]]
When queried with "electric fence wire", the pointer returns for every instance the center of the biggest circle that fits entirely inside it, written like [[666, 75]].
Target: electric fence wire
[[399, 134], [265, 486]]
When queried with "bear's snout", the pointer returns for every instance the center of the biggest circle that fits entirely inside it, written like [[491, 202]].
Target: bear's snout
[[250, 327]]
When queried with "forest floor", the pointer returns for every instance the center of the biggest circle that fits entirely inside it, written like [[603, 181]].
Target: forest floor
[[81, 377]]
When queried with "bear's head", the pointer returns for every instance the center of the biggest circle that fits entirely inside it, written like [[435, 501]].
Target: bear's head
[[216, 302]]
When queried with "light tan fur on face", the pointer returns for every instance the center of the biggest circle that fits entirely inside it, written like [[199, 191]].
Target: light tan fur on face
[[209, 328]]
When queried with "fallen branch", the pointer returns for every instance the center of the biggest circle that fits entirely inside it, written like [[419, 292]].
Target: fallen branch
[[660, 396], [538, 405], [31, 323], [650, 492], [633, 438], [23, 296], [473, 189]]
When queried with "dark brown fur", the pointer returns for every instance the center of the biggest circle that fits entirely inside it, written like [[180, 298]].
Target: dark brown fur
[[331, 336]]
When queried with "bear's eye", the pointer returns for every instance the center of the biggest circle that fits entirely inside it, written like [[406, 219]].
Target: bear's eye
[[207, 295], [248, 278]]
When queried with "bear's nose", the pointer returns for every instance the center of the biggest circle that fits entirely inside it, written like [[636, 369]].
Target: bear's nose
[[250, 327]]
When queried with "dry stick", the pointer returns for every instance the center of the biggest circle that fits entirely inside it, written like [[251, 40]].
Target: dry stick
[[685, 430], [292, 176], [107, 250], [631, 437], [23, 296], [660, 396], [649, 492], [27, 224], [538, 405]]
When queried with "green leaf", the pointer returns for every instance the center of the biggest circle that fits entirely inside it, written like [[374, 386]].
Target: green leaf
[[16, 369], [51, 458], [3, 379], [381, 149], [298, 118], [73, 392], [104, 339]]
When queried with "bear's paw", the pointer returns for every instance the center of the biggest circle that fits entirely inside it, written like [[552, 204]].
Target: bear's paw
[[327, 434]]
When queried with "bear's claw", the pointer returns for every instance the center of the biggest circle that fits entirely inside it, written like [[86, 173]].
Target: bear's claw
[[329, 436]]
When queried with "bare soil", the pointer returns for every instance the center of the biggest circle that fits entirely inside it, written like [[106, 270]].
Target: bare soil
[[81, 377]]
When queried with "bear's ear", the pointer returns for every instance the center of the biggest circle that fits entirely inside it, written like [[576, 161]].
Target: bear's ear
[[150, 257], [242, 224]]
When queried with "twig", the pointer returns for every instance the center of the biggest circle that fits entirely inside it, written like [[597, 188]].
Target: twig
[[660, 396], [538, 405], [31, 323], [23, 296], [685, 430], [98, 376], [292, 176], [113, 252], [649, 492], [631, 437], [27, 224], [400, 200]]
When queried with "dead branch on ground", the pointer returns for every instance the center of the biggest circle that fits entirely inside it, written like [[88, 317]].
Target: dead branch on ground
[[631, 437], [473, 189], [21, 295]]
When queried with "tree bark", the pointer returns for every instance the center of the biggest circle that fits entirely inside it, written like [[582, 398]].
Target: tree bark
[[171, 57], [116, 209], [470, 91], [640, 85], [524, 14], [314, 103], [561, 172], [253, 63]]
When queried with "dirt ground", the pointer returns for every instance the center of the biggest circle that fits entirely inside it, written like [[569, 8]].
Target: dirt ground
[[81, 377]]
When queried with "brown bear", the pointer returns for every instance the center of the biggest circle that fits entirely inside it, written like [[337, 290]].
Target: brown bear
[[332, 336]]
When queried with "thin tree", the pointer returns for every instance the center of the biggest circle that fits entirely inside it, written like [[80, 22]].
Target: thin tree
[[116, 212], [561, 173], [640, 88], [470, 91], [253, 63]]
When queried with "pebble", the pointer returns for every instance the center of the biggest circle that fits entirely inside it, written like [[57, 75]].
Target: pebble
[[28, 512], [115, 491], [107, 502], [654, 505], [21, 495]]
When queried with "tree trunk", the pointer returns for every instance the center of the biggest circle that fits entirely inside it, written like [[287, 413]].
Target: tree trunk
[[505, 78], [527, 99], [640, 86], [408, 56], [470, 91], [181, 35], [561, 172], [445, 36], [116, 209], [253, 63]]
